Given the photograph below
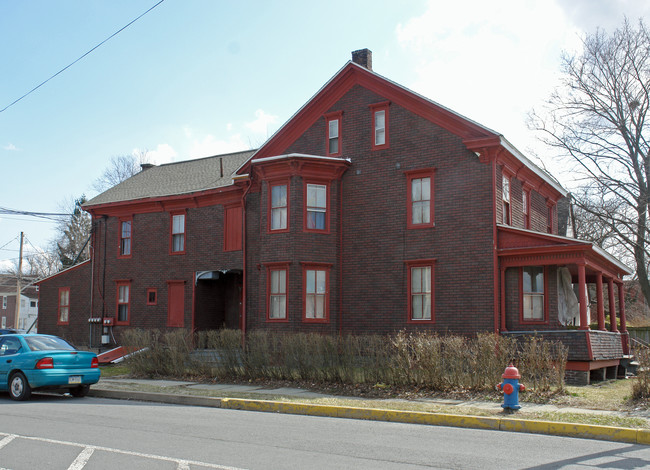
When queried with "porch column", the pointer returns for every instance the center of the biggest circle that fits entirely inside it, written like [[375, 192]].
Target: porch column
[[612, 304], [625, 338], [582, 297], [621, 307], [600, 302], [612, 317]]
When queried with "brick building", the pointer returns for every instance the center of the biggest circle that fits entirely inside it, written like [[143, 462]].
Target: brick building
[[372, 210]]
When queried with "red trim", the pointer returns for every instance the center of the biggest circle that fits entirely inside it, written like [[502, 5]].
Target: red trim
[[305, 211], [585, 366], [337, 115], [421, 263], [58, 313], [306, 266], [118, 284], [171, 232], [410, 176], [210, 197], [49, 278], [271, 184], [374, 109], [122, 220], [351, 75], [545, 320], [154, 291], [279, 266]]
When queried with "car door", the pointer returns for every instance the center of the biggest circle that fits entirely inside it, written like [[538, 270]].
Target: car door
[[9, 348]]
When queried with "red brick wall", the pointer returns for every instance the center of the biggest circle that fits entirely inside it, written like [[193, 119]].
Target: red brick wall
[[376, 243], [78, 329], [151, 265]]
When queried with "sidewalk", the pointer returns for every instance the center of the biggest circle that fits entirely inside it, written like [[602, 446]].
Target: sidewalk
[[289, 400]]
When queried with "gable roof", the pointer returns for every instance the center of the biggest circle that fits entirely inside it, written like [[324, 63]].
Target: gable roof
[[476, 136], [174, 179]]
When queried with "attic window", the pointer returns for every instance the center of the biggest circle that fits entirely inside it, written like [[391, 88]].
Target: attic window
[[334, 133]]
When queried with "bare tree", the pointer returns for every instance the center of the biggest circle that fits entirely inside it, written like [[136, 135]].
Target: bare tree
[[43, 263], [598, 119], [120, 168], [74, 233]]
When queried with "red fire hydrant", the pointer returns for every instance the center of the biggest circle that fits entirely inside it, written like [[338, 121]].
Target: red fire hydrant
[[511, 388]]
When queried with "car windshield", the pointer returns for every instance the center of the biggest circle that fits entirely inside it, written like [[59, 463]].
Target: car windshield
[[46, 343]]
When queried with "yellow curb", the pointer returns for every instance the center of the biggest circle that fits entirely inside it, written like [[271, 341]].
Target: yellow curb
[[372, 414], [643, 436], [586, 431]]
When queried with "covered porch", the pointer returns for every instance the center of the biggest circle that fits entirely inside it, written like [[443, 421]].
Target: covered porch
[[544, 288]]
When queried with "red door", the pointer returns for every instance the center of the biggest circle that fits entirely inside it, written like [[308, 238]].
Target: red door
[[176, 304]]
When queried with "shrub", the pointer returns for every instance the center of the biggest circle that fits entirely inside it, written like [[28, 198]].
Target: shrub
[[641, 387], [418, 359]]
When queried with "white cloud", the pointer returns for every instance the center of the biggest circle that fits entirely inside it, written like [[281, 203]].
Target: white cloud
[[261, 123], [210, 145], [11, 147], [163, 153], [490, 61]]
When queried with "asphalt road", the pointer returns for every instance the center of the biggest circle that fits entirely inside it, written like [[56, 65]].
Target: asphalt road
[[51, 432]]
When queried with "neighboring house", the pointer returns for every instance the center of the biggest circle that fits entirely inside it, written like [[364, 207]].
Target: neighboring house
[[28, 302], [372, 210]]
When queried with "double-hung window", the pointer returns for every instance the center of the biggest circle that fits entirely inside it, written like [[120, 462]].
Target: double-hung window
[[64, 306], [420, 282], [123, 302], [279, 207], [525, 203], [178, 233], [316, 293], [549, 218], [505, 197], [277, 283], [334, 133], [533, 294], [125, 238], [379, 125], [4, 302], [316, 217], [420, 198]]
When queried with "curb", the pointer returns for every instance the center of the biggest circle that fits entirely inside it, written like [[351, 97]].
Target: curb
[[584, 431]]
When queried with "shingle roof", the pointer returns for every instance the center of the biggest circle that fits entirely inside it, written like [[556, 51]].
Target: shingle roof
[[175, 179]]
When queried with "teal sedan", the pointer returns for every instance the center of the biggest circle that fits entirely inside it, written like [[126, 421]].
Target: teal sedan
[[42, 362]]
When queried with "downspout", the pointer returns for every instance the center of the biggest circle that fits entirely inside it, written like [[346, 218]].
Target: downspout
[[495, 263], [244, 276], [340, 227], [92, 279]]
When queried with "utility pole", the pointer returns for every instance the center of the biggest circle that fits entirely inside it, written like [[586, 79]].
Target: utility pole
[[18, 279]]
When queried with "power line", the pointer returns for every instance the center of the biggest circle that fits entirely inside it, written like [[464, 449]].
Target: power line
[[70, 65]]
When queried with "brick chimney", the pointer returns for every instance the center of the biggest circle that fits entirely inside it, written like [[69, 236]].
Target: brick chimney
[[363, 57]]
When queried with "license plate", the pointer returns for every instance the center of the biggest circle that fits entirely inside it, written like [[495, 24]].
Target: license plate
[[74, 379]]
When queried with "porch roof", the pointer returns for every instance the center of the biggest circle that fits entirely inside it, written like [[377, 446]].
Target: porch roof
[[521, 247]]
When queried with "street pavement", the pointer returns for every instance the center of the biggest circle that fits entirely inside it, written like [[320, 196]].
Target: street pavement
[[288, 400]]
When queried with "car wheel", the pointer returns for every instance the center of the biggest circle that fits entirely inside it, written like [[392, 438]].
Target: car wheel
[[19, 388], [80, 391]]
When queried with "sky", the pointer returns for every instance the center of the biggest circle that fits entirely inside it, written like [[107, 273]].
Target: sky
[[194, 78]]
